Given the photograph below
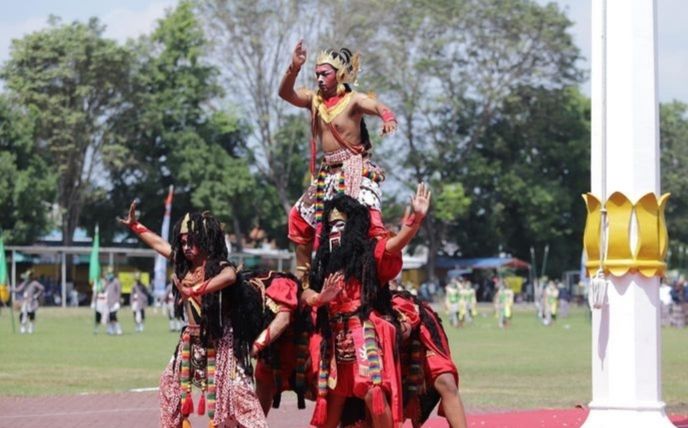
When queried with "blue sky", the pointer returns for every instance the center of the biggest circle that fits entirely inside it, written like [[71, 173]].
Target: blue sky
[[130, 18]]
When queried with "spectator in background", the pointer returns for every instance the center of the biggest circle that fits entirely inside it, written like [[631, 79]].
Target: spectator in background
[[564, 299], [99, 304], [432, 289], [503, 301], [551, 297], [451, 302], [113, 291], [678, 309], [424, 291], [665, 301], [468, 295], [28, 293], [139, 302], [174, 313]]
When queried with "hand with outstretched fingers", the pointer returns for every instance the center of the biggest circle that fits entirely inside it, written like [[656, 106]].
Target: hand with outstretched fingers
[[331, 288], [131, 218], [420, 202]]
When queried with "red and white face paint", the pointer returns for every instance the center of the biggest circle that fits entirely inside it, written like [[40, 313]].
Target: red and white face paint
[[326, 76], [336, 231], [191, 251]]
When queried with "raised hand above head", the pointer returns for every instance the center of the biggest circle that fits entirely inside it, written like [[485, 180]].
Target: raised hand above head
[[420, 202], [150, 238], [298, 58], [131, 217]]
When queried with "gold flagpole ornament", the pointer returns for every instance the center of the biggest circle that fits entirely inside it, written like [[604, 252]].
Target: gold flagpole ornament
[[637, 238]]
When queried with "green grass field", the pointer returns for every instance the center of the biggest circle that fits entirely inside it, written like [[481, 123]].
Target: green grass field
[[525, 366]]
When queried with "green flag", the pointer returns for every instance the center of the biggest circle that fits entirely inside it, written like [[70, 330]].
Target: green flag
[[94, 263], [4, 289]]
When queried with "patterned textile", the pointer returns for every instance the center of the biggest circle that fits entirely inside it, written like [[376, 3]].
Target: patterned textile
[[372, 342], [236, 402], [332, 181]]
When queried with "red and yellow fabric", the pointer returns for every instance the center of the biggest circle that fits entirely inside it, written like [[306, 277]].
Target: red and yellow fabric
[[369, 368]]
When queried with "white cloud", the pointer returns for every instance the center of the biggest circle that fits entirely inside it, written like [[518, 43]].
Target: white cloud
[[672, 43], [121, 23], [17, 30], [672, 49], [127, 23]]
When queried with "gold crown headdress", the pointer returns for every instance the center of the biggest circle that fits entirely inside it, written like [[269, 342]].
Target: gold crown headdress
[[187, 218], [347, 71], [185, 224]]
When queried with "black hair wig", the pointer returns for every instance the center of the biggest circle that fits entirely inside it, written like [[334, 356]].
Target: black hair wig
[[238, 305]]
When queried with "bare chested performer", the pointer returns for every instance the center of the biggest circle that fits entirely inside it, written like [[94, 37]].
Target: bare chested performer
[[337, 123]]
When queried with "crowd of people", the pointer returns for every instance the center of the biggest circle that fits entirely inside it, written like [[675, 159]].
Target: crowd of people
[[673, 297]]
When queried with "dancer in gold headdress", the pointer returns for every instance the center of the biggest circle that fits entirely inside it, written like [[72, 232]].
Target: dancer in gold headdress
[[337, 123]]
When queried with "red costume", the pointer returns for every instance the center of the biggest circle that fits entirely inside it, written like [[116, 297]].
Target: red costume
[[288, 361], [422, 350], [363, 350]]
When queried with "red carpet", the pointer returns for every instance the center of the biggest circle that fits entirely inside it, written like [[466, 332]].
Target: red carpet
[[542, 418]]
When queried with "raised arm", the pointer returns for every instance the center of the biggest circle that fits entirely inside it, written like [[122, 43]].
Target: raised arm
[[151, 239], [20, 288], [420, 203], [286, 89], [373, 107]]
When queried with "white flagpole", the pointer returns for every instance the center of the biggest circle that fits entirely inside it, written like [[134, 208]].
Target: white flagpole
[[160, 270]]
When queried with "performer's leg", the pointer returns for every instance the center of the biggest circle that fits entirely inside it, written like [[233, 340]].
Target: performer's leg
[[98, 319], [32, 318], [335, 405], [265, 384], [22, 322], [110, 324], [116, 329], [383, 420], [451, 400], [265, 389], [302, 235]]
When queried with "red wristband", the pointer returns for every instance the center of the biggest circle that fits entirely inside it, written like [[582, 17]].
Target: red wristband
[[414, 219], [138, 228], [388, 116], [262, 344], [201, 289]]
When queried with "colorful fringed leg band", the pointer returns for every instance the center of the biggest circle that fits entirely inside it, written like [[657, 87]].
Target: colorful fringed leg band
[[374, 368]]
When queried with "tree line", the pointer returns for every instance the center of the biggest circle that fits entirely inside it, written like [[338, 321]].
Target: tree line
[[485, 91]]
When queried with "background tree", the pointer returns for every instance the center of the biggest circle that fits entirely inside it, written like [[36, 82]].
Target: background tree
[[253, 44], [674, 158], [449, 68], [173, 129], [72, 78], [26, 179], [528, 173]]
